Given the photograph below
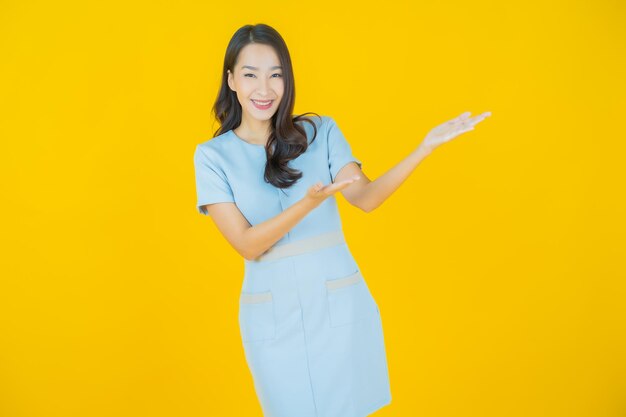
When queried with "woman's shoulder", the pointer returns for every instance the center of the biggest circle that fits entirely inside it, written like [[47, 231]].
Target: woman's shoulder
[[321, 123], [215, 149], [216, 140], [214, 144]]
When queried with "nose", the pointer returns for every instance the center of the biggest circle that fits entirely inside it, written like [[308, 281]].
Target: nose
[[263, 87]]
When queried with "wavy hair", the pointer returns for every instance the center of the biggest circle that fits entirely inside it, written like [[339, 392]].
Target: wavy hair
[[287, 140]]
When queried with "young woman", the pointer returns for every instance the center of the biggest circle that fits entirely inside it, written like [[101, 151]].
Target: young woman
[[311, 330]]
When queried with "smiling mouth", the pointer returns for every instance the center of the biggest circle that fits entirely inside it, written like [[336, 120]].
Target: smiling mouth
[[262, 105]]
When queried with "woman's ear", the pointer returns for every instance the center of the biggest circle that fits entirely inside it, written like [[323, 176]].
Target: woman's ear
[[230, 80]]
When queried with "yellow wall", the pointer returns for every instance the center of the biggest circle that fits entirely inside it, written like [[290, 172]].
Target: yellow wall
[[498, 266]]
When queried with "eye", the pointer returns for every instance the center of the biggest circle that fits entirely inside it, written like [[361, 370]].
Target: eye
[[245, 75]]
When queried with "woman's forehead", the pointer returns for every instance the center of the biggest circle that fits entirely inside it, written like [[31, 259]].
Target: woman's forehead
[[258, 57]]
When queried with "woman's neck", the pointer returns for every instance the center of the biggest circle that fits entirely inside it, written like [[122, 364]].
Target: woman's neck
[[256, 134]]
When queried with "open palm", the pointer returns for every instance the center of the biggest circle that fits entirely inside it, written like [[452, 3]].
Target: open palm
[[450, 129], [319, 191]]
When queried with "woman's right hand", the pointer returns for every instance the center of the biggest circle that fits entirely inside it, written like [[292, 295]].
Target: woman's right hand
[[318, 192]]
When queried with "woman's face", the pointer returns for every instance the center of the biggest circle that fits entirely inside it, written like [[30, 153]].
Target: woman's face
[[257, 79]]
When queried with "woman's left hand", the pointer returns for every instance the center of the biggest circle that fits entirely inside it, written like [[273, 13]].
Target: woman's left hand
[[451, 129]]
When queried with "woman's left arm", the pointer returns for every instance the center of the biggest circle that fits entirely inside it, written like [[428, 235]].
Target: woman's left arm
[[368, 195]]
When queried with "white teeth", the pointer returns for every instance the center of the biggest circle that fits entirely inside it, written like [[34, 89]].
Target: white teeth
[[262, 103]]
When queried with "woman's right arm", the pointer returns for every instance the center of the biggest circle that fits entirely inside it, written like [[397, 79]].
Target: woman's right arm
[[253, 241]]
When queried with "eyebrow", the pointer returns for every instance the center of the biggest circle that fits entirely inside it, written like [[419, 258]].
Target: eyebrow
[[256, 69]]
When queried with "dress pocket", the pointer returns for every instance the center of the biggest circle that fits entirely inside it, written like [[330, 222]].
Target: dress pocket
[[349, 300], [256, 317]]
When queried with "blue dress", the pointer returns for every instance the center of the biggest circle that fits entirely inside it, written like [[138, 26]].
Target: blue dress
[[313, 349]]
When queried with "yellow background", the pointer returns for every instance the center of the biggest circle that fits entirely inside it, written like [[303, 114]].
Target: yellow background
[[499, 265]]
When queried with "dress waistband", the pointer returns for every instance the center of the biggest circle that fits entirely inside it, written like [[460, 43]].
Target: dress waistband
[[301, 246]]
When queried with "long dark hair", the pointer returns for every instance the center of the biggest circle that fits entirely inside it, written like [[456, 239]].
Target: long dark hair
[[287, 140]]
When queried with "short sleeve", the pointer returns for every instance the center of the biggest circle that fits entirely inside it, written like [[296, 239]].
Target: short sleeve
[[339, 152], [211, 183]]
